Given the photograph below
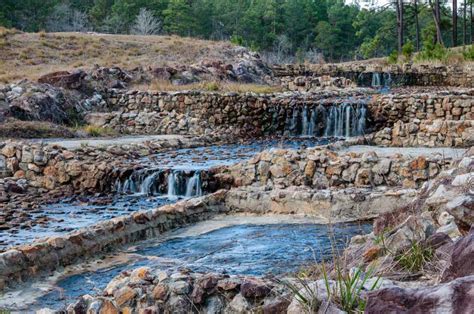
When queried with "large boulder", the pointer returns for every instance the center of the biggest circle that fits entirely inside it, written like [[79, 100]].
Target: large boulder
[[461, 261], [455, 297], [63, 79]]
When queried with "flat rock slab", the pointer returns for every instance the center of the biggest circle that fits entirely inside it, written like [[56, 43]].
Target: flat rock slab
[[98, 142], [407, 151]]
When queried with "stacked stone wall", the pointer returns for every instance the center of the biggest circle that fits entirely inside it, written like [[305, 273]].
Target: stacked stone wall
[[322, 169], [295, 76], [250, 115]]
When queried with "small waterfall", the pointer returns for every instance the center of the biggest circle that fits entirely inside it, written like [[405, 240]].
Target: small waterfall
[[180, 183], [387, 80], [172, 184], [305, 121], [194, 186], [294, 122], [144, 181], [376, 80], [346, 120], [155, 182], [312, 123]]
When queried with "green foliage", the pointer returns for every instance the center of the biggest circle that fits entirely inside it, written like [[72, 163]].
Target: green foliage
[[469, 53], [178, 18], [348, 290], [415, 258], [407, 50], [393, 57], [237, 40], [306, 296], [431, 50]]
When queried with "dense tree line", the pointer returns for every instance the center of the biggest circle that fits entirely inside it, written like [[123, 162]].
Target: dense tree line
[[282, 28]]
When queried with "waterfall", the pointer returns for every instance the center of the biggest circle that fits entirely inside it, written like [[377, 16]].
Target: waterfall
[[312, 123], [153, 182], [376, 80], [304, 121], [181, 184], [144, 181], [346, 120], [294, 122], [194, 186], [387, 80], [172, 184]]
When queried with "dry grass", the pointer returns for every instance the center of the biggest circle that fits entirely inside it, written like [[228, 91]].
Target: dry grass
[[229, 87], [33, 129], [30, 55]]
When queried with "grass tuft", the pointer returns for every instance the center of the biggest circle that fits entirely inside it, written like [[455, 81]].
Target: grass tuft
[[415, 258], [96, 131]]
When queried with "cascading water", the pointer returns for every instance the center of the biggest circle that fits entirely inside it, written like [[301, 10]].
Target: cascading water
[[154, 182], [346, 120], [194, 186], [376, 80], [338, 120], [387, 80], [144, 181], [181, 184]]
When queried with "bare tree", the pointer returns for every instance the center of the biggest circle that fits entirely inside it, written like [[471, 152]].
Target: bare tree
[[66, 19], [146, 23]]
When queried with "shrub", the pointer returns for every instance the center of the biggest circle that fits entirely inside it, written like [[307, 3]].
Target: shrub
[[469, 53], [407, 50], [96, 131], [393, 57], [237, 40], [348, 291], [212, 86]]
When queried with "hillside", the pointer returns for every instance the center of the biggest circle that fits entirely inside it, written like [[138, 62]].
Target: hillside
[[31, 55]]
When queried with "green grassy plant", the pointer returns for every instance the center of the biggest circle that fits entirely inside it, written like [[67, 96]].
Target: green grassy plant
[[415, 258]]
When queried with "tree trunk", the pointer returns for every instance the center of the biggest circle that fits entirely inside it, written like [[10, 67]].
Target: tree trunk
[[464, 24], [455, 23], [399, 7], [472, 24], [417, 25], [437, 18]]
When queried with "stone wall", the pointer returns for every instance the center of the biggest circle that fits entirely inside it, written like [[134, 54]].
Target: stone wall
[[33, 171], [321, 169], [245, 115], [438, 119], [361, 73], [46, 255], [251, 115]]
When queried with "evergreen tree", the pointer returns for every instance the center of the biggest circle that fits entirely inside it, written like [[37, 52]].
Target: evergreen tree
[[178, 18]]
